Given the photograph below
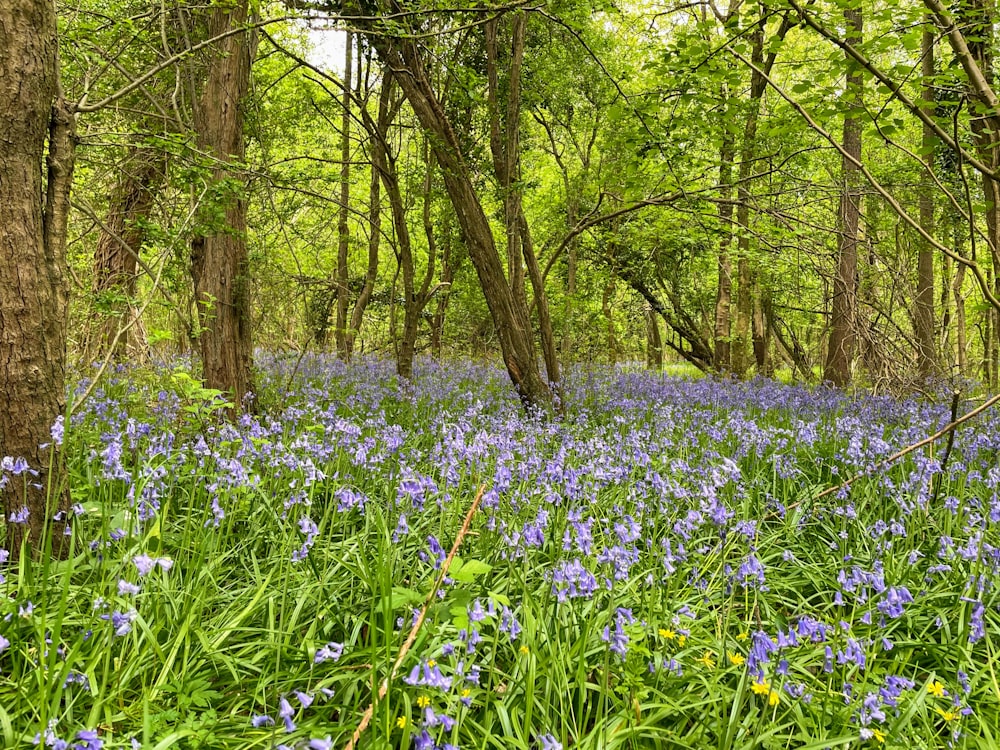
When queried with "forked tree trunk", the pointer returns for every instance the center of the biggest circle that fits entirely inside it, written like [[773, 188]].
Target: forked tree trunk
[[219, 265], [377, 156], [751, 332], [841, 350], [33, 292], [118, 331], [506, 151], [509, 311]]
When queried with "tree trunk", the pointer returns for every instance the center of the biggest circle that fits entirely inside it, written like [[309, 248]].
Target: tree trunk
[[762, 332], [506, 152], [961, 322], [841, 350], [654, 342], [377, 156], [509, 311], [343, 229], [924, 313], [33, 291], [447, 277], [219, 265], [724, 290], [118, 331], [608, 311]]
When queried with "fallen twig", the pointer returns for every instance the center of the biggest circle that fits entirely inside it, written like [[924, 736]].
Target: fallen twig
[[411, 639], [905, 451]]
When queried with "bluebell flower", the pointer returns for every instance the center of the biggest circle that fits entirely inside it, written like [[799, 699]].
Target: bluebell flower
[[330, 652], [285, 713]]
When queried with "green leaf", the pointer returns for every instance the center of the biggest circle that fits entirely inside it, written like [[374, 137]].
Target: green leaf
[[470, 571]]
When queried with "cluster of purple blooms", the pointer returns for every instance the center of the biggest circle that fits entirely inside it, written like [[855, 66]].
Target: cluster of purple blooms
[[650, 501]]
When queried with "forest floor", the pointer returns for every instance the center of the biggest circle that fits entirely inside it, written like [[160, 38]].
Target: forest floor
[[657, 568]]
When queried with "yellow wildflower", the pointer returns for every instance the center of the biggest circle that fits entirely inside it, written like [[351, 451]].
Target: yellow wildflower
[[423, 701], [878, 735], [466, 692], [936, 689], [431, 663], [681, 639], [401, 722], [525, 650], [947, 715], [761, 688], [773, 699], [668, 634], [706, 659], [743, 636], [736, 659]]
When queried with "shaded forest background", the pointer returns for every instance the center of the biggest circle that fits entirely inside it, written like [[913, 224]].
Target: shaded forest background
[[750, 188]]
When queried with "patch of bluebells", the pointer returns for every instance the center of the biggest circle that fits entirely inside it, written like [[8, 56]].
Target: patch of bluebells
[[651, 492]]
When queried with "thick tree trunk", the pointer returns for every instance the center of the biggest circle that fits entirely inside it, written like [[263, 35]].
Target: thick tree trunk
[[841, 350], [509, 311], [118, 331], [219, 265], [33, 293], [343, 229]]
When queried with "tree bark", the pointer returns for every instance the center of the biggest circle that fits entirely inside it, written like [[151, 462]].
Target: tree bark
[[33, 291], [116, 256], [219, 264], [841, 349], [506, 151], [377, 156], [724, 290], [924, 312], [343, 228], [654, 342], [509, 311], [447, 277]]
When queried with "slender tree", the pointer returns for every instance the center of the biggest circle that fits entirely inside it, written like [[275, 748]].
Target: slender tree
[[509, 310], [841, 347]]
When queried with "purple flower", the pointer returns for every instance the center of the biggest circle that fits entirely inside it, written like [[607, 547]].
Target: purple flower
[[127, 589], [87, 739], [330, 652], [145, 564], [549, 742], [305, 700], [285, 713], [432, 719], [261, 720], [58, 430], [509, 624], [321, 744]]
